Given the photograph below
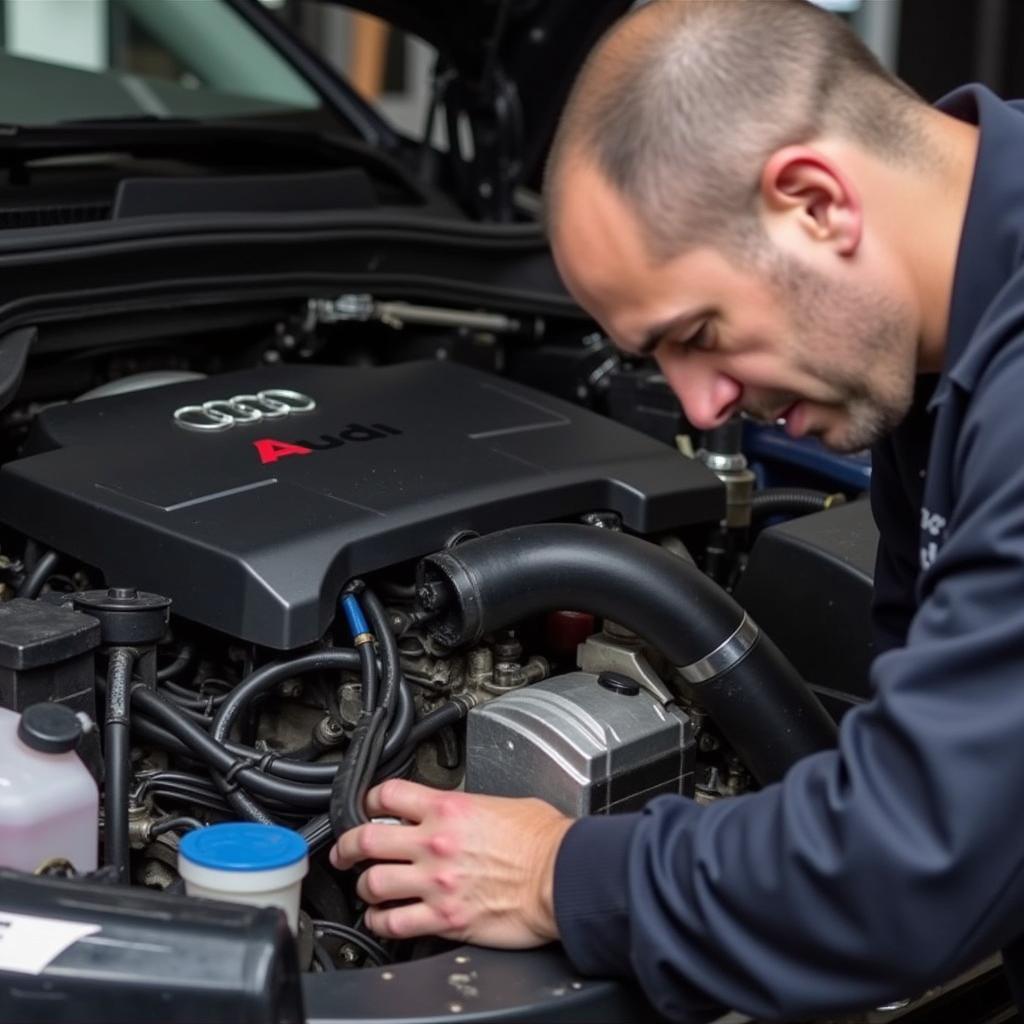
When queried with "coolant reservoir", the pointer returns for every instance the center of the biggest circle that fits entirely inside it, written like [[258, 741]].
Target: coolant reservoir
[[49, 804]]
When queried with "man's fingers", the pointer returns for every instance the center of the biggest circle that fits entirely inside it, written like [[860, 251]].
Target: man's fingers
[[375, 842], [406, 922], [401, 799], [383, 882]]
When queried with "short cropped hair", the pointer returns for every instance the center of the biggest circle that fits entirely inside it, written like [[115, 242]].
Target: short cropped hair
[[681, 104]]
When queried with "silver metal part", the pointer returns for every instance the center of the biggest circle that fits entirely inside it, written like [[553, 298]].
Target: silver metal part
[[724, 656], [397, 314], [731, 468], [600, 653], [582, 747]]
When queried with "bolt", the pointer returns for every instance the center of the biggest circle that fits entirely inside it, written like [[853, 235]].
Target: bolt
[[462, 959], [123, 593], [387, 976], [455, 1007], [708, 741]]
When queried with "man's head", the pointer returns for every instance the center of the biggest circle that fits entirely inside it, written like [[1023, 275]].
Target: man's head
[[708, 200]]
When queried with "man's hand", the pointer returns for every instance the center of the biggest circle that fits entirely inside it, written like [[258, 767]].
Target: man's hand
[[477, 868]]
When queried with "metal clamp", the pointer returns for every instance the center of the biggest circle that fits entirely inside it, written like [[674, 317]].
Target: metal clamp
[[728, 653]]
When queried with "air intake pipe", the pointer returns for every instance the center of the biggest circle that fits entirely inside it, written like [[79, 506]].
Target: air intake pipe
[[756, 698]]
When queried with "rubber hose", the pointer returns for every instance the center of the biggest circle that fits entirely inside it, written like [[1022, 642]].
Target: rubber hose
[[368, 675], [353, 776], [447, 714], [222, 760], [37, 576], [792, 501], [269, 676], [281, 766], [390, 665], [180, 663], [117, 763], [766, 712]]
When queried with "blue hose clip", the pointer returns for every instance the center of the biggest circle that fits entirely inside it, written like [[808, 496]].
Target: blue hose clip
[[357, 623]]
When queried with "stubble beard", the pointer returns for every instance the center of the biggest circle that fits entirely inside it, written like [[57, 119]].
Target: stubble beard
[[868, 344]]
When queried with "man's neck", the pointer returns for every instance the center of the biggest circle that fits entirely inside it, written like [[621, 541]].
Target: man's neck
[[936, 209]]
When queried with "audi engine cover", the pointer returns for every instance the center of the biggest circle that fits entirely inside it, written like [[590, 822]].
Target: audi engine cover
[[252, 514]]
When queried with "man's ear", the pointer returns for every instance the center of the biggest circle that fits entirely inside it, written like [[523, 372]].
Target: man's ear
[[802, 182]]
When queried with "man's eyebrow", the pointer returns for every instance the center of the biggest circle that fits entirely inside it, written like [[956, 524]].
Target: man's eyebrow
[[655, 335]]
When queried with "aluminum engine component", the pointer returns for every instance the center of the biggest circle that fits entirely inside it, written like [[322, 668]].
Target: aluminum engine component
[[587, 744]]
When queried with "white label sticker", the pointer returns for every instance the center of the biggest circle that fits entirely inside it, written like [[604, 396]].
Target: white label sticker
[[28, 944]]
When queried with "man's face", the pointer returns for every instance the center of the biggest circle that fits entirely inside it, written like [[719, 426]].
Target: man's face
[[775, 336]]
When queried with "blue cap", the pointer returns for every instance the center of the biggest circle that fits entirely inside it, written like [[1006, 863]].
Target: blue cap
[[243, 846]]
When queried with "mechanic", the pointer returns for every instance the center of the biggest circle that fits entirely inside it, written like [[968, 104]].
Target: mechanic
[[739, 190]]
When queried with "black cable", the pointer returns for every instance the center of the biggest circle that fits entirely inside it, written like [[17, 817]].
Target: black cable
[[211, 803], [169, 824], [226, 766], [368, 675], [37, 576], [390, 665], [402, 724], [792, 501], [196, 716], [270, 675], [117, 763], [449, 713], [355, 773], [180, 663], [369, 946], [192, 698], [323, 958]]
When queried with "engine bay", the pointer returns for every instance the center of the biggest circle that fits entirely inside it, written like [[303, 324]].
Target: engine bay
[[256, 592]]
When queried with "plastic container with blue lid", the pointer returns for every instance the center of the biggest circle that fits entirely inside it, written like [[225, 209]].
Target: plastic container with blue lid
[[246, 862]]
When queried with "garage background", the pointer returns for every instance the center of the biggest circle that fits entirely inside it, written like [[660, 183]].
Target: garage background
[[934, 45]]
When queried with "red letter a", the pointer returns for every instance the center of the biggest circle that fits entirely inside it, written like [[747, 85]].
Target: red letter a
[[271, 451]]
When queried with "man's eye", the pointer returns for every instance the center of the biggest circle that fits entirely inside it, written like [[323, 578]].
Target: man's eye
[[700, 341]]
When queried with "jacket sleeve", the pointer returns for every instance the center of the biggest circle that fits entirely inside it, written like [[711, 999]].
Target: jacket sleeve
[[870, 872]]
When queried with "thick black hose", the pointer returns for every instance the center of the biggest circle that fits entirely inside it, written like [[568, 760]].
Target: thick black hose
[[792, 501], [37, 576], [403, 722], [117, 763], [269, 676], [356, 772], [222, 761], [447, 714], [765, 711], [368, 675], [390, 666], [279, 765]]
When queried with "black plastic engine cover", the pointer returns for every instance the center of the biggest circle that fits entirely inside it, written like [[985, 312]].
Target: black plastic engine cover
[[256, 539]]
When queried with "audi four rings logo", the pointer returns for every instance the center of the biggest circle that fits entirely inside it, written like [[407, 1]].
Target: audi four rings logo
[[225, 413]]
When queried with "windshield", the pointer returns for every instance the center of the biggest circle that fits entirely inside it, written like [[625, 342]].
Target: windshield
[[64, 60]]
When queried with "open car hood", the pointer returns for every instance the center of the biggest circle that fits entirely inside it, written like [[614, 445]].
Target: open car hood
[[538, 45]]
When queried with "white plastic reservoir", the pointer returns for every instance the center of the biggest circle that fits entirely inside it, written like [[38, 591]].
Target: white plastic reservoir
[[49, 803], [246, 862]]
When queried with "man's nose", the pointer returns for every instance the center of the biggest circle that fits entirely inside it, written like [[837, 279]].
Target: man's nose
[[708, 397]]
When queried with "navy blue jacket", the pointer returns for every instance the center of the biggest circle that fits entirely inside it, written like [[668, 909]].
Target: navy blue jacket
[[877, 870]]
